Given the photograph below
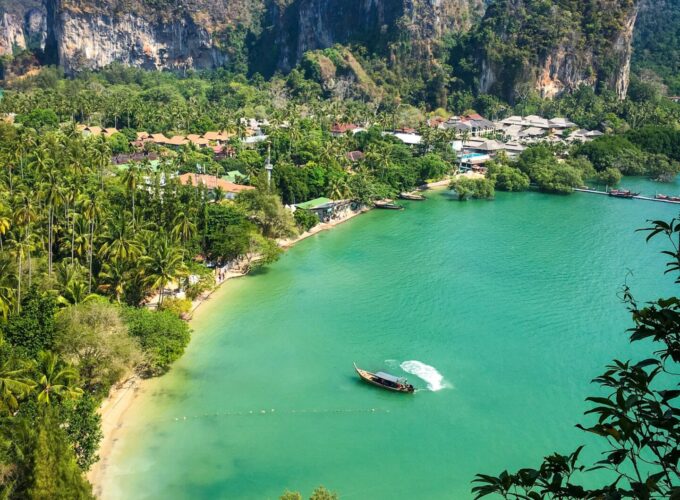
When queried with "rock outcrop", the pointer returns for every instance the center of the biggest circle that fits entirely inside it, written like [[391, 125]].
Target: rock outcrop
[[23, 26], [271, 35], [557, 49]]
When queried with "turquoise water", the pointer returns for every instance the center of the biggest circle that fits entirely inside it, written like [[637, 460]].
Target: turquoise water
[[514, 302]]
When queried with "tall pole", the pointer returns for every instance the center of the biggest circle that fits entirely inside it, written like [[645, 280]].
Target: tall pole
[[268, 166]]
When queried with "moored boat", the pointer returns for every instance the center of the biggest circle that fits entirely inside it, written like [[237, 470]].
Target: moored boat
[[387, 205], [411, 196], [622, 193], [661, 197], [385, 380]]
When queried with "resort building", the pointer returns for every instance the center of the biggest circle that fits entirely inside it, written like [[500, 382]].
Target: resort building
[[472, 125], [339, 129], [213, 183], [326, 209]]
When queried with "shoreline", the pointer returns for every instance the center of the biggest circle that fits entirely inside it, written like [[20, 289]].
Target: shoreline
[[123, 395]]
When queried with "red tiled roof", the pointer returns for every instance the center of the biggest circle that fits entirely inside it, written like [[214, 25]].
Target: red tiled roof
[[212, 182], [341, 128]]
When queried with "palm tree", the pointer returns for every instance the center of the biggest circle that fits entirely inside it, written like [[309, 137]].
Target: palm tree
[[8, 285], [54, 379], [91, 211], [14, 384], [162, 265], [52, 195], [5, 225], [112, 278], [118, 241], [131, 180], [21, 247], [183, 228]]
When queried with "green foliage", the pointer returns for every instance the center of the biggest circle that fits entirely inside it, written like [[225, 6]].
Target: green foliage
[[162, 335], [94, 338], [268, 213], [119, 143], [466, 187], [609, 177], [657, 139], [38, 119], [305, 219], [507, 178], [179, 307], [32, 330], [54, 471], [82, 424], [613, 151], [550, 174], [637, 420]]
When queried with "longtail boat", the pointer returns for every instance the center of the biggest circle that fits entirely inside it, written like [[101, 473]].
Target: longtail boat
[[661, 197], [385, 380], [622, 193], [411, 196], [387, 205]]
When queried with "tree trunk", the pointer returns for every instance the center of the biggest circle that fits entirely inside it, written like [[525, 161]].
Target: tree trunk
[[90, 256]]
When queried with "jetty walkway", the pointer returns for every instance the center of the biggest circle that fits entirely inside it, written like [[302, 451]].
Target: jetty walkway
[[647, 198]]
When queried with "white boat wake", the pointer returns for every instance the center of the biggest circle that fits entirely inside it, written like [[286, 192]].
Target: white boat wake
[[435, 380]]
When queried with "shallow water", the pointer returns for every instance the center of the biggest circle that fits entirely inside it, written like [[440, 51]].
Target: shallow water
[[500, 313]]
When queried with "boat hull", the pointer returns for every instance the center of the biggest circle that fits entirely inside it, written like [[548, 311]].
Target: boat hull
[[369, 377]]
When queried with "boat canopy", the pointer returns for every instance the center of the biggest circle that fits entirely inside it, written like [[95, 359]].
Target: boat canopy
[[391, 378]]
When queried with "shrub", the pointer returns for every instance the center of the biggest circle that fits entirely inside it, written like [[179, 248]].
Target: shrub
[[178, 307], [467, 187], [507, 178], [93, 337], [305, 219], [162, 335]]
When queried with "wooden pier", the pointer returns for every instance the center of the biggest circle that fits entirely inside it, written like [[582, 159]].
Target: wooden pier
[[647, 198]]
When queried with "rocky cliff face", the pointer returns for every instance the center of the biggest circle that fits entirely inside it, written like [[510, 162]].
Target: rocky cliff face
[[186, 34], [556, 49], [549, 47], [23, 25]]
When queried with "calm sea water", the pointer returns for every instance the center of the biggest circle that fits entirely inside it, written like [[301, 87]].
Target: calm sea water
[[507, 309]]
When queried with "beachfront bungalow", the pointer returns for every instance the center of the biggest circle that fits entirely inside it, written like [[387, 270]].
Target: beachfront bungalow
[[339, 129], [218, 137], [159, 139], [513, 149], [326, 209], [197, 140], [92, 131], [221, 152], [176, 141], [472, 124], [212, 183], [410, 139], [108, 132]]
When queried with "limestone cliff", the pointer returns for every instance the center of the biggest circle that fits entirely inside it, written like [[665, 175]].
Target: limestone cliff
[[517, 44], [22, 26], [185, 34], [525, 47]]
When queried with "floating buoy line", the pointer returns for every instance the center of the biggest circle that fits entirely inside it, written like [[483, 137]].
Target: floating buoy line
[[273, 411]]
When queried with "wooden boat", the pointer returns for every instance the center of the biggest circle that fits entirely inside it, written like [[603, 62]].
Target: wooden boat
[[622, 193], [674, 198], [661, 197], [385, 380], [387, 205], [411, 196]]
